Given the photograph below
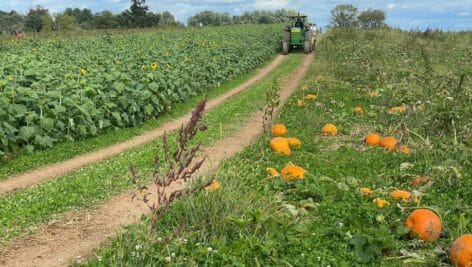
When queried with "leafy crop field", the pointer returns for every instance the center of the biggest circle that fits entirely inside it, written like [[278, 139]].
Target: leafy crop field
[[343, 209], [62, 89]]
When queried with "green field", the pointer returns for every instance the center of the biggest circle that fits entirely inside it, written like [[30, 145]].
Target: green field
[[63, 97], [324, 219], [53, 90]]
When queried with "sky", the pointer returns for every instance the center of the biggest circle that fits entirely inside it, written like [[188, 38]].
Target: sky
[[404, 14]]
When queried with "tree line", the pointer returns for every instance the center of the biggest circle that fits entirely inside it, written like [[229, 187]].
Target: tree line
[[39, 19], [348, 16]]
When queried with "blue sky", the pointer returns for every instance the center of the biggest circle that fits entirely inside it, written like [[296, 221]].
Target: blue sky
[[405, 14]]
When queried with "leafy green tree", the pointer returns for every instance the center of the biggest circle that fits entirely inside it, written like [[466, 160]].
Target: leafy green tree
[[137, 15], [64, 22], [263, 17], [210, 18], [82, 16], [371, 18], [38, 19], [104, 20], [11, 22], [168, 20], [344, 16]]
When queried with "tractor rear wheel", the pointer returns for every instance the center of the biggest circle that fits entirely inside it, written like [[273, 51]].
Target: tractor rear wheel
[[285, 47]]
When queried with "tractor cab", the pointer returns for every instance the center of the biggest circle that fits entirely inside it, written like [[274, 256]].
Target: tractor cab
[[296, 33]]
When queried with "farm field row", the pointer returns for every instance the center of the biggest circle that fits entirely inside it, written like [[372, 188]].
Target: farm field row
[[54, 90], [341, 210], [23, 211], [23, 162]]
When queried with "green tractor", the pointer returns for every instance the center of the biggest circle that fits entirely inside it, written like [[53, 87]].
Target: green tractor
[[299, 34]]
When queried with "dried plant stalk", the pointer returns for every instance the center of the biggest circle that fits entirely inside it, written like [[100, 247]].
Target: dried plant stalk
[[180, 166]]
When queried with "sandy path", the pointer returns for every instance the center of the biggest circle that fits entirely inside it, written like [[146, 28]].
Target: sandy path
[[62, 242], [48, 172]]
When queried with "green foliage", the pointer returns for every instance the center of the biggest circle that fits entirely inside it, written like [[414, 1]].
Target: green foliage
[[137, 16], [255, 220], [23, 210], [65, 22], [263, 17], [371, 18], [10, 22], [344, 16], [91, 84], [38, 19], [210, 18], [104, 20], [82, 16]]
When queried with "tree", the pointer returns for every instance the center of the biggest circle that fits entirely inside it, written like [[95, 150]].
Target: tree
[[263, 17], [136, 16], [344, 16], [10, 22], [65, 22], [104, 20], [38, 19], [210, 18], [168, 20], [371, 18], [82, 16]]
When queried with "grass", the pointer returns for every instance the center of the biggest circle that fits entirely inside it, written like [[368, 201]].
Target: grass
[[25, 161], [22, 211], [255, 220]]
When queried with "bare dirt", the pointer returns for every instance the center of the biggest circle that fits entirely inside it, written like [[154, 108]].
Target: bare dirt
[[48, 172], [79, 233]]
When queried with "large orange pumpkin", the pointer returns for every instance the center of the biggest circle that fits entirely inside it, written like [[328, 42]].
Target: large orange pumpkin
[[292, 172], [280, 145], [329, 129], [279, 130], [425, 224], [389, 143], [373, 139], [461, 251]]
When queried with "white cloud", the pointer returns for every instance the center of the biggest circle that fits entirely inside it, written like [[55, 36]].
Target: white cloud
[[391, 6], [271, 4], [463, 14]]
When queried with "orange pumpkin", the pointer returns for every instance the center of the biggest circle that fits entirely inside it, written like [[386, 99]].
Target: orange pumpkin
[[425, 224], [389, 143], [293, 172], [214, 186], [461, 251], [329, 129], [310, 96], [401, 194], [358, 110], [280, 145], [373, 139], [272, 172], [381, 203], [399, 109], [373, 94], [279, 130], [301, 103], [366, 191], [419, 181], [294, 142], [405, 149]]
